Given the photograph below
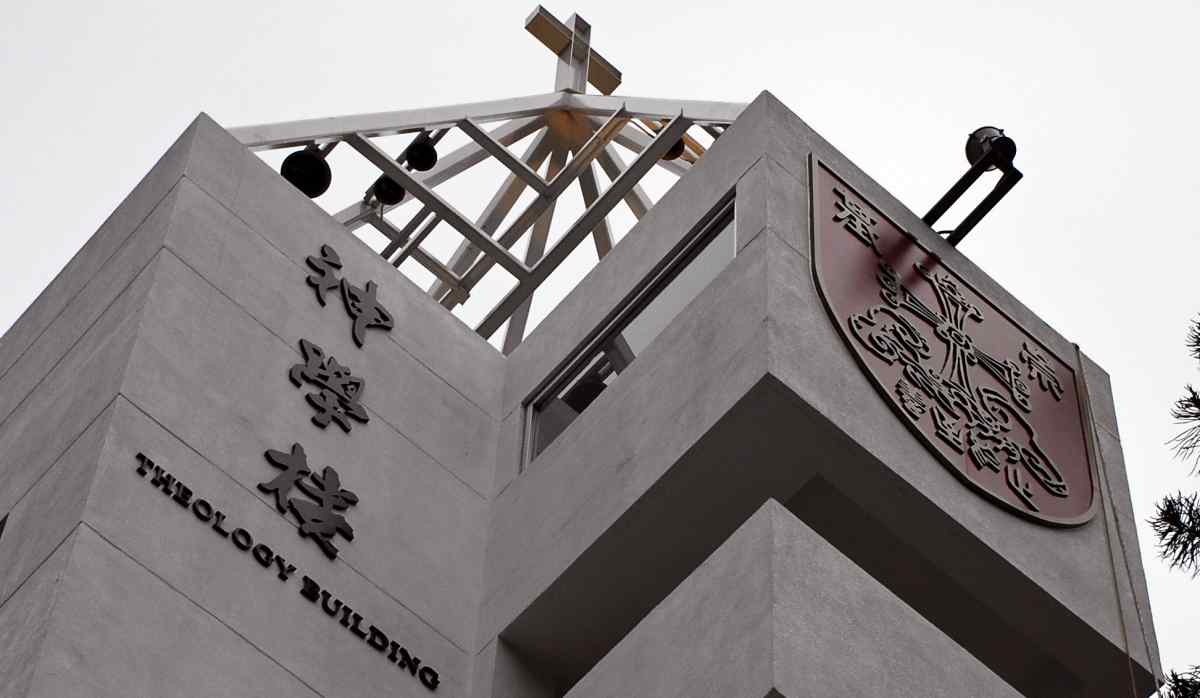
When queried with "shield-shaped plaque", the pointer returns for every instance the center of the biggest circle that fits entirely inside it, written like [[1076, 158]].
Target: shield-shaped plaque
[[1000, 409]]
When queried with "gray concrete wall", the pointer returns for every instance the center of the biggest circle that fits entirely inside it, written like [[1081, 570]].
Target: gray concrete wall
[[174, 339], [777, 608], [171, 334], [62, 365], [748, 395]]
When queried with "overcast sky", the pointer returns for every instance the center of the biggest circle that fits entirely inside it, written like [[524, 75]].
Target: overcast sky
[[1099, 239]]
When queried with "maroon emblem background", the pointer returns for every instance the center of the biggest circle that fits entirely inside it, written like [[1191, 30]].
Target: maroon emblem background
[[1000, 410]]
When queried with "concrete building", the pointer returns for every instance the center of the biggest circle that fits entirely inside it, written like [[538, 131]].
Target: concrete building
[[230, 466]]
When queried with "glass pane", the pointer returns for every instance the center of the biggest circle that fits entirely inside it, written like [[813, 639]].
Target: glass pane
[[555, 413], [683, 289]]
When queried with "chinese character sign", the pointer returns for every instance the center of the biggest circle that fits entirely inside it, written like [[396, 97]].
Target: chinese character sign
[[337, 390], [320, 519], [999, 409], [361, 302]]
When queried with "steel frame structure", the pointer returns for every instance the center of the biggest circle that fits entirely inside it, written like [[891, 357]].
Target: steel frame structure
[[570, 129]]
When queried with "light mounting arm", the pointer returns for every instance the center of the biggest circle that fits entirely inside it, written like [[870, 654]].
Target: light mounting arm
[[987, 149]]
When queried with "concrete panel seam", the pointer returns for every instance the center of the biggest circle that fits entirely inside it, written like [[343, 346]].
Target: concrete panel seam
[[1108, 504], [4, 419], [751, 238], [798, 177], [1108, 508], [766, 161], [116, 250], [39, 565], [130, 401], [50, 467], [292, 348], [197, 605], [749, 167], [54, 595], [780, 237], [501, 491], [774, 505], [387, 337]]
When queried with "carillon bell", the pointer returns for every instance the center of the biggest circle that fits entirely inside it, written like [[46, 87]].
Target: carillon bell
[[421, 155], [387, 191], [307, 171], [674, 151]]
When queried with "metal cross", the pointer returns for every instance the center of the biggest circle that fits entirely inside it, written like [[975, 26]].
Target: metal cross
[[578, 64]]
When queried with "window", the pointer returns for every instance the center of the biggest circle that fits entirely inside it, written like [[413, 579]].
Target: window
[[650, 310]]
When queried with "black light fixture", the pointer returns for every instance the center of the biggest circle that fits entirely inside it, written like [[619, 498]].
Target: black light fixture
[[307, 170], [987, 149]]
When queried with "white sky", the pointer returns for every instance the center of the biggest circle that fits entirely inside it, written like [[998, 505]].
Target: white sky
[[1102, 102]]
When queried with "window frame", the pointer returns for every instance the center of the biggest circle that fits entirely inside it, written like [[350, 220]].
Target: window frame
[[710, 225]]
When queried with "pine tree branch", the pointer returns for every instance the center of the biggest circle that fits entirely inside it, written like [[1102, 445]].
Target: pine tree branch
[[1187, 411], [1176, 523], [1193, 339], [1185, 685]]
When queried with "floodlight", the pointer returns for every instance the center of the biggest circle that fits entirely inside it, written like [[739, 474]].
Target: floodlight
[[987, 149], [982, 140]]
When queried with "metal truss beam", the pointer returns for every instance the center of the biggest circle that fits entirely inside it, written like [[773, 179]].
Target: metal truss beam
[[405, 232], [651, 108], [515, 331], [496, 210], [295, 133], [438, 205], [453, 163], [572, 128], [569, 173], [636, 140], [413, 246], [497, 150], [422, 257], [590, 192], [612, 163], [586, 222]]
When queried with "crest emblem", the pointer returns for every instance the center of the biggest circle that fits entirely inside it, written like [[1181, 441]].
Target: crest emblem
[[1000, 410]]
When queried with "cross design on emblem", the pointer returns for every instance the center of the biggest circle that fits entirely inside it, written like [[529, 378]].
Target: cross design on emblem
[[990, 426]]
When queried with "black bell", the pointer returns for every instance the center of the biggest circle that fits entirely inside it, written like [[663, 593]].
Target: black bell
[[674, 151], [387, 191], [307, 171], [421, 155]]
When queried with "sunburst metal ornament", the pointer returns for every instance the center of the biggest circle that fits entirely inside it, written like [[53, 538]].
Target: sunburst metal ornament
[[571, 132]]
